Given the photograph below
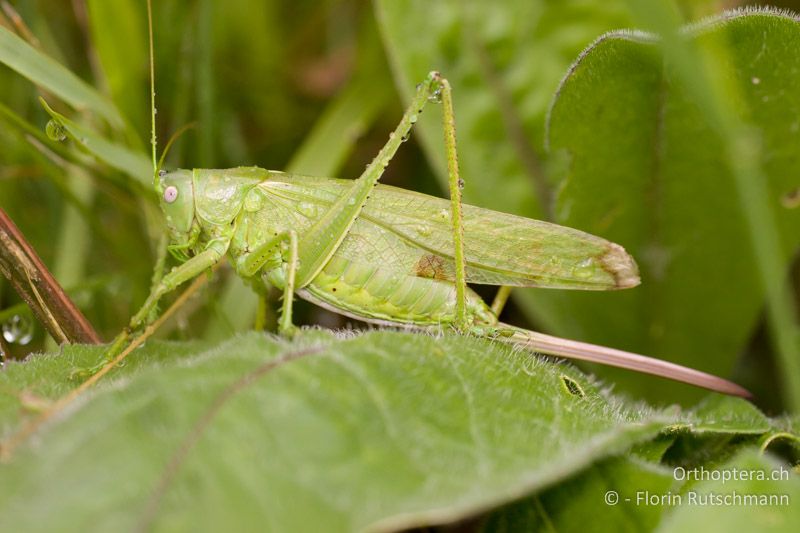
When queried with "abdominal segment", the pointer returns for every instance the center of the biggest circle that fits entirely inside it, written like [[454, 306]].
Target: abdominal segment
[[371, 293]]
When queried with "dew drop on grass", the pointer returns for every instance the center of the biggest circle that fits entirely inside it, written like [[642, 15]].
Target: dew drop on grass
[[253, 202], [583, 270], [55, 131], [423, 230], [18, 329]]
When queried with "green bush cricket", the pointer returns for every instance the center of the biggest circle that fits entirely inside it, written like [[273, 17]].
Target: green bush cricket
[[385, 255]]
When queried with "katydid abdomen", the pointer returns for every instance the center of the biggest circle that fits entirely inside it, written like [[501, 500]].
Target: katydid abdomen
[[379, 295]]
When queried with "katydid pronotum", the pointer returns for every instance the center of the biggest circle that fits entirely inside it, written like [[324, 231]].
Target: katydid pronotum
[[387, 255]]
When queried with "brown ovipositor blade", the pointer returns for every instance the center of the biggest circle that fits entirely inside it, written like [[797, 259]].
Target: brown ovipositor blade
[[583, 351]]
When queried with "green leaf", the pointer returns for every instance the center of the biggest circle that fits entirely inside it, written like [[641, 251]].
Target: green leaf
[[726, 414], [55, 78], [639, 164], [576, 504], [384, 430], [119, 35]]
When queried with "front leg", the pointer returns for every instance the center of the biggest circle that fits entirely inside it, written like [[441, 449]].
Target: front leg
[[180, 274]]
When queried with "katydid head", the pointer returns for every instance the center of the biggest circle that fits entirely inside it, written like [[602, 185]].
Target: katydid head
[[176, 191]]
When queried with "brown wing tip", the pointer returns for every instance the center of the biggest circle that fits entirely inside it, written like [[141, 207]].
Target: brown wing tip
[[617, 262]]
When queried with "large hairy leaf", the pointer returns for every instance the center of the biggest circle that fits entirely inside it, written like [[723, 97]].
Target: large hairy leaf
[[383, 430]]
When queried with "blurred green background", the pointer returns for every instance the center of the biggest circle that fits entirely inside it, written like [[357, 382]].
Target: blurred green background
[[314, 87]]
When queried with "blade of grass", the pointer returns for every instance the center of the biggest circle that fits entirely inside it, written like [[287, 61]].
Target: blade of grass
[[205, 85], [50, 75], [347, 118], [74, 237], [118, 38], [133, 163]]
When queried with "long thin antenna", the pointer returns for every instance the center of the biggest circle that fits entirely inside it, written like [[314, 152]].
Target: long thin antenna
[[152, 92]]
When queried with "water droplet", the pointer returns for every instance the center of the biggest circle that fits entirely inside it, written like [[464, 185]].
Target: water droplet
[[423, 230], [583, 269], [413, 119], [18, 329], [436, 96], [253, 202], [405, 137], [444, 214], [460, 183], [55, 131], [755, 80]]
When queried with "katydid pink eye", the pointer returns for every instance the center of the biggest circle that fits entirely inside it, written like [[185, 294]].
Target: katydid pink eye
[[170, 194]]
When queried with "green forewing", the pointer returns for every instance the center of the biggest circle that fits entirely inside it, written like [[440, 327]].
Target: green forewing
[[412, 233]]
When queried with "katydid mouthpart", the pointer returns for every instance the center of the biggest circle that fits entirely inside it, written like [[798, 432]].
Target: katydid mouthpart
[[385, 255]]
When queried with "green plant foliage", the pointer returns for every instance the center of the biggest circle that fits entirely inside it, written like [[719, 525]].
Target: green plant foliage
[[45, 72], [123, 159], [218, 429], [782, 515], [381, 430], [573, 505]]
